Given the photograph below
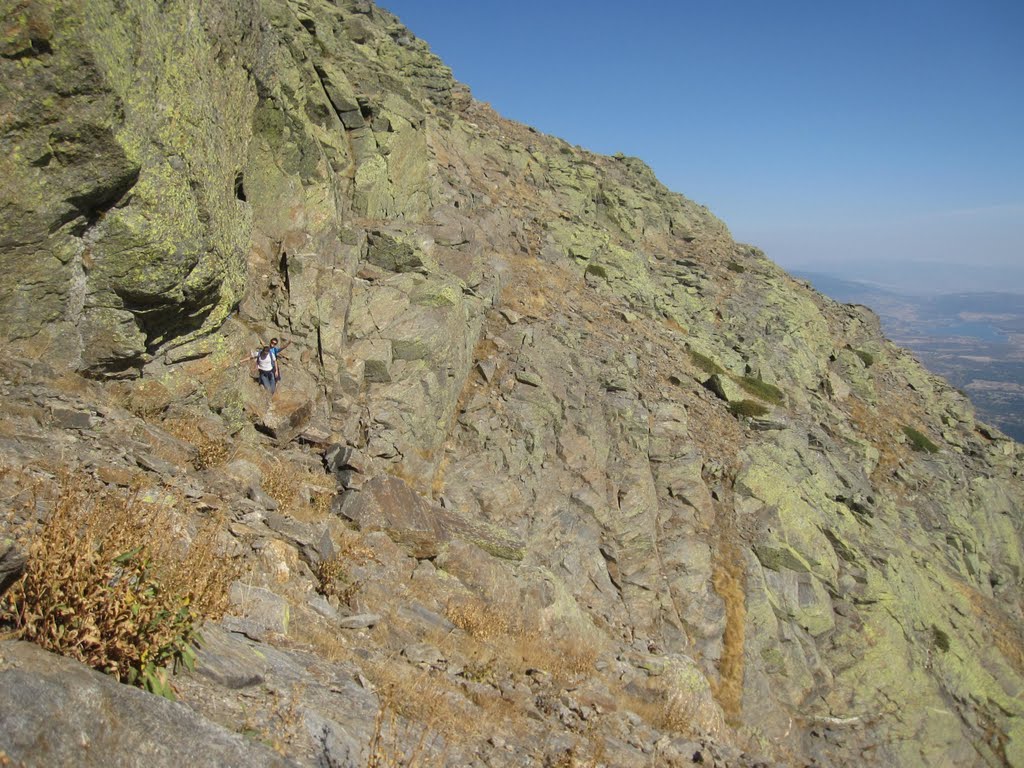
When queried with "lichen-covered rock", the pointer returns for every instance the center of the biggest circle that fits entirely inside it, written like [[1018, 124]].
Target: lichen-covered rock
[[506, 339]]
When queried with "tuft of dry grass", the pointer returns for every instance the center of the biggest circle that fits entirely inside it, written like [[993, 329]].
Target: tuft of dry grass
[[147, 399], [303, 494], [670, 711], [210, 451], [98, 587], [394, 746], [518, 646], [333, 574], [481, 620], [428, 699], [729, 580]]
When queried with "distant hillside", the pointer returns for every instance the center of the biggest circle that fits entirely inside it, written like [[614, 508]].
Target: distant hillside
[[975, 340]]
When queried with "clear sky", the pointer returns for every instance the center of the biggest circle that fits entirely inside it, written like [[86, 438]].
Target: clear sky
[[838, 136]]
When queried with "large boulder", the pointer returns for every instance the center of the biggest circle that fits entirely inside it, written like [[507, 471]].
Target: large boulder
[[56, 711]]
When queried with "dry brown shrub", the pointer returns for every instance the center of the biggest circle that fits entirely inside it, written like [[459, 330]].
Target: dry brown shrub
[[210, 451], [334, 579], [667, 711], [479, 619], [518, 646], [563, 658], [101, 588], [334, 576], [282, 486], [321, 503], [303, 494]]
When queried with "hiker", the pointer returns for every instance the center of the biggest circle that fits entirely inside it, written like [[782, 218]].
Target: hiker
[[276, 352], [266, 367]]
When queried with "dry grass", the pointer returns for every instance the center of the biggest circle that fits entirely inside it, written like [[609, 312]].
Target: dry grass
[[516, 645], [100, 588], [303, 494], [729, 582], [481, 620], [667, 711], [210, 451], [147, 399], [395, 746], [430, 699], [1006, 634], [333, 575]]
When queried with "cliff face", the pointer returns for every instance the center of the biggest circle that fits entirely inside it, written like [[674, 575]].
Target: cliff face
[[568, 398]]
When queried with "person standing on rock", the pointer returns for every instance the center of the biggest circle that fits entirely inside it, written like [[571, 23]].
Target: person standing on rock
[[266, 368], [276, 352]]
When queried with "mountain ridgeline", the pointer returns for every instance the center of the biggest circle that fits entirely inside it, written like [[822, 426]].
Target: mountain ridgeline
[[558, 472]]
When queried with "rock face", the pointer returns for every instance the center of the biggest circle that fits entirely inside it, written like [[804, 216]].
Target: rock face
[[567, 408], [57, 712]]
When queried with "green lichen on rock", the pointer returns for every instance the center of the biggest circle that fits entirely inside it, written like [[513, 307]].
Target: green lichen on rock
[[705, 363], [762, 389], [750, 408], [919, 441]]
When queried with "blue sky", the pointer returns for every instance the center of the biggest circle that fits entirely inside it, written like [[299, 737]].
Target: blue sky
[[842, 137]]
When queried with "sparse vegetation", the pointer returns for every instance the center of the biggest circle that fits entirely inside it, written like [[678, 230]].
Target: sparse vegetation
[[762, 389], [210, 451], [940, 639], [430, 700], [334, 577], [865, 357], [519, 645], [705, 363], [100, 588], [919, 442], [386, 750], [479, 619], [747, 408], [736, 267]]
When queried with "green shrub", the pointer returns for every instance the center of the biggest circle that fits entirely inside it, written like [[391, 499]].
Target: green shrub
[[100, 587], [940, 639], [866, 357], [747, 408], [762, 389], [705, 363], [919, 442]]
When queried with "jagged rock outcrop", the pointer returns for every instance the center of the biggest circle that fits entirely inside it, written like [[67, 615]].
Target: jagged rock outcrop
[[566, 409]]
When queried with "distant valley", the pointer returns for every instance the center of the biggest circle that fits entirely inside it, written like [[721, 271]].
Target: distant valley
[[974, 340]]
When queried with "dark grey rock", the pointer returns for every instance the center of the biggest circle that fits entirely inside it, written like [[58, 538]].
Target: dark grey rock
[[12, 563], [56, 711], [360, 621], [228, 659], [68, 418], [264, 611]]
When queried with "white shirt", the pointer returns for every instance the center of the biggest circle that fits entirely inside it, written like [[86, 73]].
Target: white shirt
[[264, 363]]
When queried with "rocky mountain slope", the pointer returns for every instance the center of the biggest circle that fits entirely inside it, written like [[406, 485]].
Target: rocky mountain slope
[[558, 473]]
